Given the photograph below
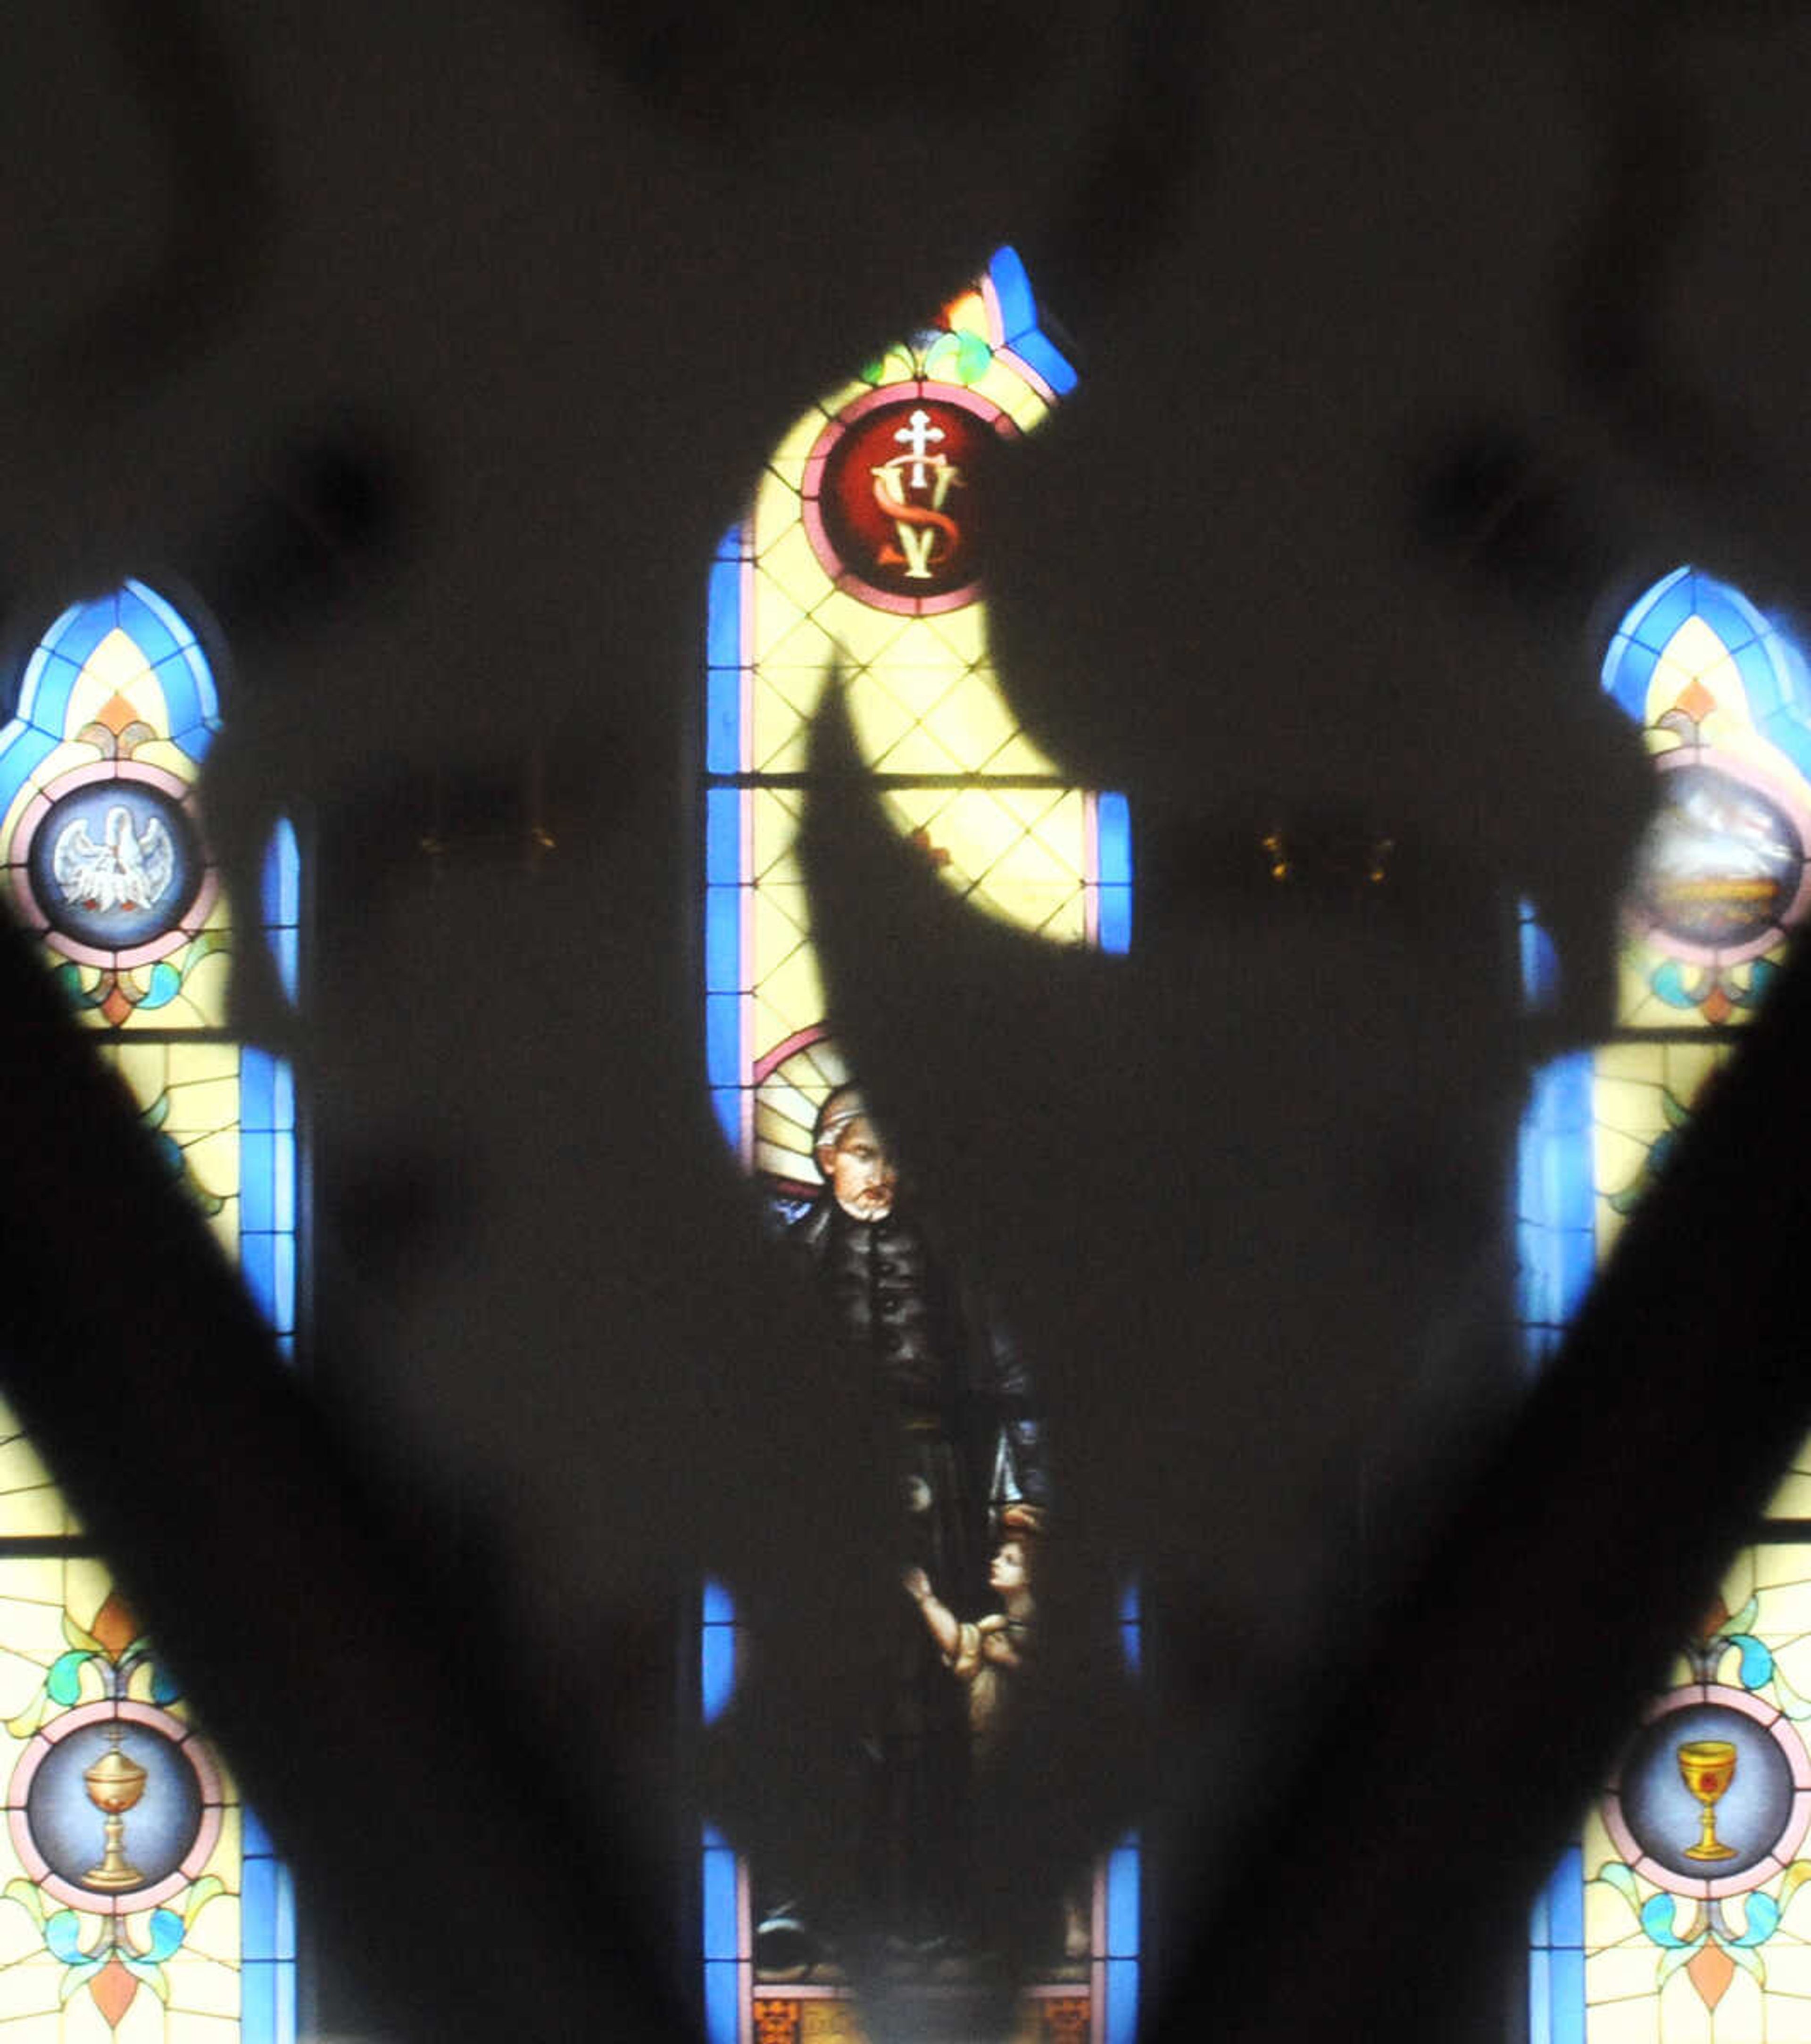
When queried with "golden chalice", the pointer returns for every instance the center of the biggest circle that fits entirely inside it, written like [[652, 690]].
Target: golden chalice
[[115, 1783], [1707, 1766]]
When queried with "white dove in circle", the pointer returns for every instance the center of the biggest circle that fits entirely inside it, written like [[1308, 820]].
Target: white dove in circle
[[126, 871]]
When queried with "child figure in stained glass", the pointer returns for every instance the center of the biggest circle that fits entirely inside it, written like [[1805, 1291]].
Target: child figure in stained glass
[[984, 1654]]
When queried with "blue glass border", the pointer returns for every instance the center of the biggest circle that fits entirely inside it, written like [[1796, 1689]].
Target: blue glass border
[[1556, 1967], [1018, 322], [1539, 959], [1113, 843], [1556, 1204], [1772, 669], [267, 1939], [1132, 1627], [723, 733], [161, 633], [717, 1650], [267, 1185], [279, 894]]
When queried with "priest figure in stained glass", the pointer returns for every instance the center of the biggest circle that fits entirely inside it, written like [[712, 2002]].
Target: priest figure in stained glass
[[969, 1451]]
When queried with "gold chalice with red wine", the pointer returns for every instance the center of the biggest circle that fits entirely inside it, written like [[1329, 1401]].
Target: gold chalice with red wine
[[1707, 1766]]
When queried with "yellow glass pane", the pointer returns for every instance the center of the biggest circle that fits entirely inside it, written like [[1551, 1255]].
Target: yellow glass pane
[[790, 999], [117, 667], [24, 1999], [784, 557], [781, 630], [862, 634], [782, 703], [1788, 1974], [973, 720], [1025, 407], [1641, 1095], [207, 1988], [165, 753], [961, 633], [1058, 915], [1695, 654], [886, 721], [217, 1931], [773, 825]]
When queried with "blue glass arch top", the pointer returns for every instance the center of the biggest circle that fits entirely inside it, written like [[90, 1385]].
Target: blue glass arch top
[[171, 648], [1772, 671]]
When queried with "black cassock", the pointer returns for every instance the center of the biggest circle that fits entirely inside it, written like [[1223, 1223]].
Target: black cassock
[[969, 1443]]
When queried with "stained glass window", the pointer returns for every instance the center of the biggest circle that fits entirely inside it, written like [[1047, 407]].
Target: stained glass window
[[1673, 1917], [859, 566], [140, 1899]]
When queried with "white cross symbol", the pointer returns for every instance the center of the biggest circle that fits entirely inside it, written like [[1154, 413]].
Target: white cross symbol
[[917, 435]]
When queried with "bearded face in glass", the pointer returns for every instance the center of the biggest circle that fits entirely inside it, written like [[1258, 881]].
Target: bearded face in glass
[[861, 1176]]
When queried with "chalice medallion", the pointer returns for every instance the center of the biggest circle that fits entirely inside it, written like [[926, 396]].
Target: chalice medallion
[[1707, 1766], [115, 1783]]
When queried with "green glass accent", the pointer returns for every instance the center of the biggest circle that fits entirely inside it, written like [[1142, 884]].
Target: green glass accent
[[1757, 1662], [1749, 1962], [1679, 1955], [79, 1635], [200, 1895], [1657, 1921], [165, 1929], [28, 1896], [963, 356], [1763, 1920], [152, 1975], [62, 1933], [78, 1976], [166, 984], [1668, 981], [198, 948], [68, 978], [972, 357], [63, 1684]]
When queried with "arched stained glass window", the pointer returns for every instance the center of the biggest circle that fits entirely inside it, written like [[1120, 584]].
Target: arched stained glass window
[[860, 565], [1673, 1916], [139, 1901]]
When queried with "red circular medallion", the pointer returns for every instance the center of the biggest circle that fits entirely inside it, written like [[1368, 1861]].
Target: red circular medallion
[[892, 513]]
